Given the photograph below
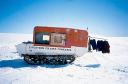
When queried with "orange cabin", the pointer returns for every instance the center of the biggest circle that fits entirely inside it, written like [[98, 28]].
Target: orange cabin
[[59, 37]]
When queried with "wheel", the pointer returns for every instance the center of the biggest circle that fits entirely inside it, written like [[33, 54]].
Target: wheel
[[52, 61], [70, 59], [34, 60]]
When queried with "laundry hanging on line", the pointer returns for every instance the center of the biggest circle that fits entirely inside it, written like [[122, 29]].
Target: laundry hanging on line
[[100, 45]]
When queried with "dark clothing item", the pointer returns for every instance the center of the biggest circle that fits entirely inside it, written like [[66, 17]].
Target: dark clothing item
[[93, 44], [106, 47], [99, 45], [103, 46], [89, 46]]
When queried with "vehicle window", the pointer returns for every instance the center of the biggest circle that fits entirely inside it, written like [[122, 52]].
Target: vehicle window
[[58, 39], [42, 38]]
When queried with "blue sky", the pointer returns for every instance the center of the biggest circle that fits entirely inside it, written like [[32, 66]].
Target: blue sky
[[102, 17]]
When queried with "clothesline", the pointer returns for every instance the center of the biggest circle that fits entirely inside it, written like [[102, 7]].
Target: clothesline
[[97, 38]]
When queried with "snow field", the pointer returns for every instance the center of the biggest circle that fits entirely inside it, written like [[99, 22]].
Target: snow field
[[92, 68]]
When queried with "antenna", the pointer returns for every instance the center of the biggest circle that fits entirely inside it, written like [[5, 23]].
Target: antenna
[[87, 28]]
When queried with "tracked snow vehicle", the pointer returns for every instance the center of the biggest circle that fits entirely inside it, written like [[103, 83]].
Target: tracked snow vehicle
[[54, 45]]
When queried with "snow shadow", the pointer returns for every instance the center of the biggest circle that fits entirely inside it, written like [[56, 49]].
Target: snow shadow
[[19, 63], [54, 66], [14, 63], [89, 65], [93, 65]]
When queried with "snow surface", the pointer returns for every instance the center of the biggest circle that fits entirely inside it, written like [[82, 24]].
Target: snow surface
[[92, 68]]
